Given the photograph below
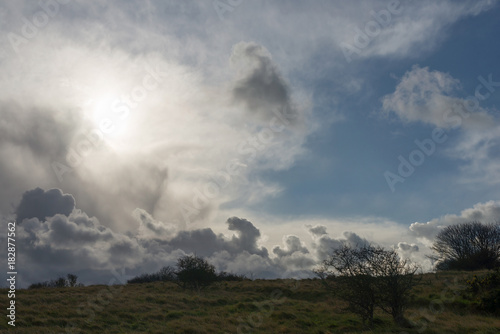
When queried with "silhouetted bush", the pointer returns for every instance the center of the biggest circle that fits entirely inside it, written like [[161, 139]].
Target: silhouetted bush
[[368, 277], [223, 276], [467, 246], [194, 272], [165, 274], [61, 282]]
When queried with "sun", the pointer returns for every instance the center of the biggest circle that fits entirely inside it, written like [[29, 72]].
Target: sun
[[109, 115]]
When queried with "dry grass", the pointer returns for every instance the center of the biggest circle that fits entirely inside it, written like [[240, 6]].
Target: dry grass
[[260, 306]]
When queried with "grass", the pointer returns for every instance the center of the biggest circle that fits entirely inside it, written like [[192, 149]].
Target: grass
[[259, 306]]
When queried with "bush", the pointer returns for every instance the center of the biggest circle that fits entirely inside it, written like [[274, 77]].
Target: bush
[[368, 277], [467, 246], [70, 281], [485, 291], [194, 272], [223, 276]]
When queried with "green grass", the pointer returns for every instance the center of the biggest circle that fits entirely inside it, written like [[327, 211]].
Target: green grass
[[260, 306]]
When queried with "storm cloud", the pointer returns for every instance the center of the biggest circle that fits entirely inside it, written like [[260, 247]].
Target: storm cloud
[[40, 204]]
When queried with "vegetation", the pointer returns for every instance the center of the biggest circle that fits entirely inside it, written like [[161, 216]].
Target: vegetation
[[467, 246], [484, 291], [368, 277], [259, 306], [165, 274], [70, 281], [192, 272]]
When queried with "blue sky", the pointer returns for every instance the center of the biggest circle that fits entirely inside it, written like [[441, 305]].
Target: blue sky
[[343, 175], [135, 132]]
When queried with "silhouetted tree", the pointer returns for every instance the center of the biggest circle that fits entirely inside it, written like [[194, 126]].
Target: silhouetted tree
[[467, 246], [61, 282], [71, 280], [194, 272], [368, 277]]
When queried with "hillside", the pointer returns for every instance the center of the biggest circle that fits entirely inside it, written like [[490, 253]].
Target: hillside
[[259, 306]]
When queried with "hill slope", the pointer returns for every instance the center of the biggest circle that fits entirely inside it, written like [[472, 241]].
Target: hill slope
[[260, 306]]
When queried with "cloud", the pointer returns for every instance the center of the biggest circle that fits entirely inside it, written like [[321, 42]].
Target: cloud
[[148, 226], [483, 212], [317, 230], [406, 247], [430, 97], [419, 27], [247, 236], [260, 86], [324, 244], [40, 204], [292, 244], [427, 96]]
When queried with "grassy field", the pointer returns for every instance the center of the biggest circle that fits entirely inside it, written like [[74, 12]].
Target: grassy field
[[259, 306]]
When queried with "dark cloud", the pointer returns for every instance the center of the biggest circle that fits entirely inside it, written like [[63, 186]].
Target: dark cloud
[[261, 88], [316, 230], [203, 242], [46, 133], [147, 222], [40, 204], [247, 236], [406, 247], [292, 245], [324, 244]]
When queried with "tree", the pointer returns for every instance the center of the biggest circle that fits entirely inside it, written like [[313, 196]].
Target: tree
[[395, 279], [194, 272], [467, 246], [368, 277], [71, 281], [350, 279], [61, 282]]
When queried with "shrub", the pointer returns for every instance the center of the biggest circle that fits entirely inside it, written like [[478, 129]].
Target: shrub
[[194, 272], [224, 276], [467, 246], [485, 291], [368, 277], [61, 282]]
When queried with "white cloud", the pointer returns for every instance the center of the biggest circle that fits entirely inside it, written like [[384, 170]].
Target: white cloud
[[431, 97], [483, 212], [428, 96]]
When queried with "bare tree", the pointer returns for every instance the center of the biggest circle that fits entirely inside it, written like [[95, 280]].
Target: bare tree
[[194, 272], [395, 279], [368, 277], [467, 246]]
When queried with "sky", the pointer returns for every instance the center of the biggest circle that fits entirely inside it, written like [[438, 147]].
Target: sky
[[259, 135]]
